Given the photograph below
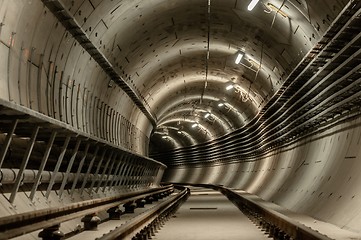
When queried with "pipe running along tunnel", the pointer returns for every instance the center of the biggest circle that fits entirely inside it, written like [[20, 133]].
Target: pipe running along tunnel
[[99, 97]]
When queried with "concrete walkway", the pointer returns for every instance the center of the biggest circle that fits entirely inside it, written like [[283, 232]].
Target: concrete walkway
[[208, 214]]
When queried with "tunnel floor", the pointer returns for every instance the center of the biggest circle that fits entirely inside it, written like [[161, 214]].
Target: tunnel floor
[[207, 214]]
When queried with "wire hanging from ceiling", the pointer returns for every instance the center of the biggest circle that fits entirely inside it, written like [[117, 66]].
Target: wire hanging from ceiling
[[276, 13], [208, 52]]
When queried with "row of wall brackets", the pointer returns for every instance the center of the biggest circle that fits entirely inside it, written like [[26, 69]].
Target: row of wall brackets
[[47, 145]]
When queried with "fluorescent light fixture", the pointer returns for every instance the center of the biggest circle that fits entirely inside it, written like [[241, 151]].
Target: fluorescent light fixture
[[229, 87], [194, 125], [164, 137], [220, 104], [180, 132], [252, 4], [207, 115], [239, 57]]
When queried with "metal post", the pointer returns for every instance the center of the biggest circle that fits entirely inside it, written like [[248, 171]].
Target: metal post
[[104, 170], [126, 171], [57, 166], [70, 165], [122, 171], [116, 172], [97, 171], [89, 169], [24, 163], [136, 173], [156, 170], [79, 169], [139, 178], [129, 173], [109, 172], [133, 174], [143, 174], [7, 142], [42, 165], [151, 175], [146, 175]]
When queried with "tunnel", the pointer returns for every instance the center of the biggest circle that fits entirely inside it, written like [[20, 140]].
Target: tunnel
[[107, 97]]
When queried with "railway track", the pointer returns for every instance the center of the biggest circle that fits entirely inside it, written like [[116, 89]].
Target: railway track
[[209, 214], [143, 214], [50, 219]]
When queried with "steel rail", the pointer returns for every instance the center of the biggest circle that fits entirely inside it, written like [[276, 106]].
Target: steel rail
[[19, 224], [146, 218]]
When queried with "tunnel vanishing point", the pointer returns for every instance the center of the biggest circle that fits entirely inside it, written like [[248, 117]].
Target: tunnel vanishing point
[[100, 97]]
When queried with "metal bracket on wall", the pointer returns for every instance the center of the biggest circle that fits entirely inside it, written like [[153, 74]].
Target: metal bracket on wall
[[42, 151]]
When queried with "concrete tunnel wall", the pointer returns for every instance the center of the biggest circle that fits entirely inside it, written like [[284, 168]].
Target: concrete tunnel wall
[[318, 176], [43, 68]]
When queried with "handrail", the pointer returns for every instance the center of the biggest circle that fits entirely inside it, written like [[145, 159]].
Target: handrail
[[19, 224]]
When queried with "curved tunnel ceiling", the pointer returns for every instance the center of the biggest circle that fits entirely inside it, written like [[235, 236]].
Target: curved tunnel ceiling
[[287, 129], [178, 78], [179, 57]]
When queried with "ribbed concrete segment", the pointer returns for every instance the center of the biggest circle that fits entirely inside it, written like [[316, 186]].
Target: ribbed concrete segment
[[209, 215]]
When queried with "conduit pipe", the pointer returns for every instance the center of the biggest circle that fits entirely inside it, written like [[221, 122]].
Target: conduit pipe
[[8, 176]]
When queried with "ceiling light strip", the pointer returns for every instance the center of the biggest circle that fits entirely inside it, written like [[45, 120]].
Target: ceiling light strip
[[252, 4]]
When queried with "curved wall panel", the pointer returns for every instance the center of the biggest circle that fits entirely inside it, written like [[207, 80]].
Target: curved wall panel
[[318, 176], [45, 69]]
